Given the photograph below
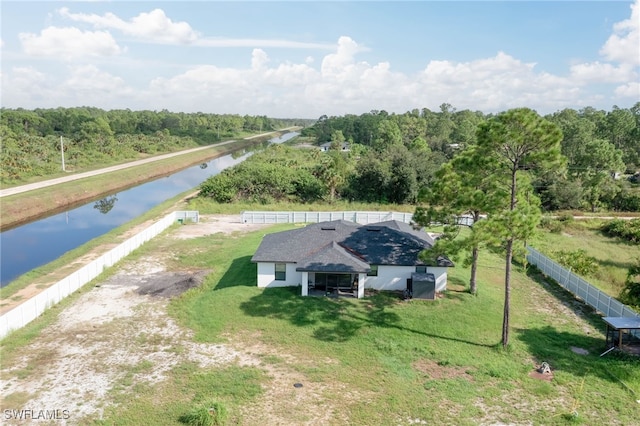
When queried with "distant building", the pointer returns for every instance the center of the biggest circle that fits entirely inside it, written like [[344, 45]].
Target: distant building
[[327, 146]]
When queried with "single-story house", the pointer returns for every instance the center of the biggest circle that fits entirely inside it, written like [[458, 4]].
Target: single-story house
[[341, 254]]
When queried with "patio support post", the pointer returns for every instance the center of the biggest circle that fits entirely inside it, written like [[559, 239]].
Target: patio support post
[[305, 283], [361, 278]]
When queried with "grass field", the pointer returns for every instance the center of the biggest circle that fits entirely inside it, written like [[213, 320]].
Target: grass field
[[394, 362]]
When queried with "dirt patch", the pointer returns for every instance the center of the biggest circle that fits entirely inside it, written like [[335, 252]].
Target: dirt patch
[[436, 371], [166, 284], [213, 224], [579, 351], [535, 374]]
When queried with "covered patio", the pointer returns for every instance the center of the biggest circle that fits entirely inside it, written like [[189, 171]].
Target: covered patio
[[333, 270], [337, 284], [334, 285]]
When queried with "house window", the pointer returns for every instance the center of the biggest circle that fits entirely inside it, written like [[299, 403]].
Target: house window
[[281, 271], [373, 272], [421, 269]]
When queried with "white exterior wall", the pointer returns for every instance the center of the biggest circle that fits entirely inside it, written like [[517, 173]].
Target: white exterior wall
[[441, 277], [267, 275], [395, 277], [389, 277]]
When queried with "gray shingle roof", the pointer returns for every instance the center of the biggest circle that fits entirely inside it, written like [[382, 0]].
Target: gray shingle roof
[[332, 258], [384, 243]]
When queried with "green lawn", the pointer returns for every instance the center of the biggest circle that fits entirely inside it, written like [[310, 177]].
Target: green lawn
[[393, 362]]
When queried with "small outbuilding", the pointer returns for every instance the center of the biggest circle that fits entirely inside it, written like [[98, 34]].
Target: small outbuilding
[[623, 333]]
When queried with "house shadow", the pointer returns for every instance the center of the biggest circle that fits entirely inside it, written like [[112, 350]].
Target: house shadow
[[565, 351], [333, 319], [241, 272]]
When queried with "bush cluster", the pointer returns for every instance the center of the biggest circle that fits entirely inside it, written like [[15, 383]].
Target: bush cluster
[[628, 230], [578, 261], [276, 174]]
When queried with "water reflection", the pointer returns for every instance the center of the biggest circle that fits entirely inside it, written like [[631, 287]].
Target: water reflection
[[105, 205], [37, 243]]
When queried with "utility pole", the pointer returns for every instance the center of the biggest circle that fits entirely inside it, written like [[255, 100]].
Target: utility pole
[[62, 152]]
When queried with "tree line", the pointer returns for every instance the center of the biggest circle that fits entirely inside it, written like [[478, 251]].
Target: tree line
[[600, 148], [94, 137]]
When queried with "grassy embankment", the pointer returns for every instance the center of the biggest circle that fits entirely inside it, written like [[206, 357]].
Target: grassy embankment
[[613, 257], [20, 208], [394, 361]]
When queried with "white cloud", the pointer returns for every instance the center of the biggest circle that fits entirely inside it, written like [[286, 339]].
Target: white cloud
[[156, 27], [27, 85], [89, 79], [597, 72], [629, 90], [259, 59], [69, 43], [623, 45], [344, 85], [84, 85], [253, 42], [337, 84], [153, 26]]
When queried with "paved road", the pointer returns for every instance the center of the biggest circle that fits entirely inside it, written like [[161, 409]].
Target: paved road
[[38, 185]]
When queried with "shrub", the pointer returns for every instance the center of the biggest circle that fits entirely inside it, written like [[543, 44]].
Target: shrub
[[578, 261], [631, 292], [213, 414], [625, 229], [565, 218], [552, 225]]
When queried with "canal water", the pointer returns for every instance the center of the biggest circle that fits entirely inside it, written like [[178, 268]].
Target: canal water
[[34, 244]]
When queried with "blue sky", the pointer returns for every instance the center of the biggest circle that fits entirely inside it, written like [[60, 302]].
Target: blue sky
[[305, 59]]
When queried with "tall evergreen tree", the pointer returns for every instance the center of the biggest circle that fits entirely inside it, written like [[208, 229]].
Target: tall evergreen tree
[[463, 186], [514, 142]]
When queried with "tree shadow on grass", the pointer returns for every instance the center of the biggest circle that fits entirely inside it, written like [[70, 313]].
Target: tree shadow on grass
[[549, 345], [333, 319], [615, 264], [555, 347]]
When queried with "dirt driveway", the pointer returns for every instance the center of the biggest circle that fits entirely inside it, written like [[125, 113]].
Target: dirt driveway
[[122, 324]]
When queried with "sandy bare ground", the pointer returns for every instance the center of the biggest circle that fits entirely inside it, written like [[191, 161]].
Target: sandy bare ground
[[122, 325]]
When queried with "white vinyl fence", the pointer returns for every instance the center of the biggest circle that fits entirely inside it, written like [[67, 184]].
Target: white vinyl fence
[[363, 218], [34, 307], [313, 217], [592, 296]]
